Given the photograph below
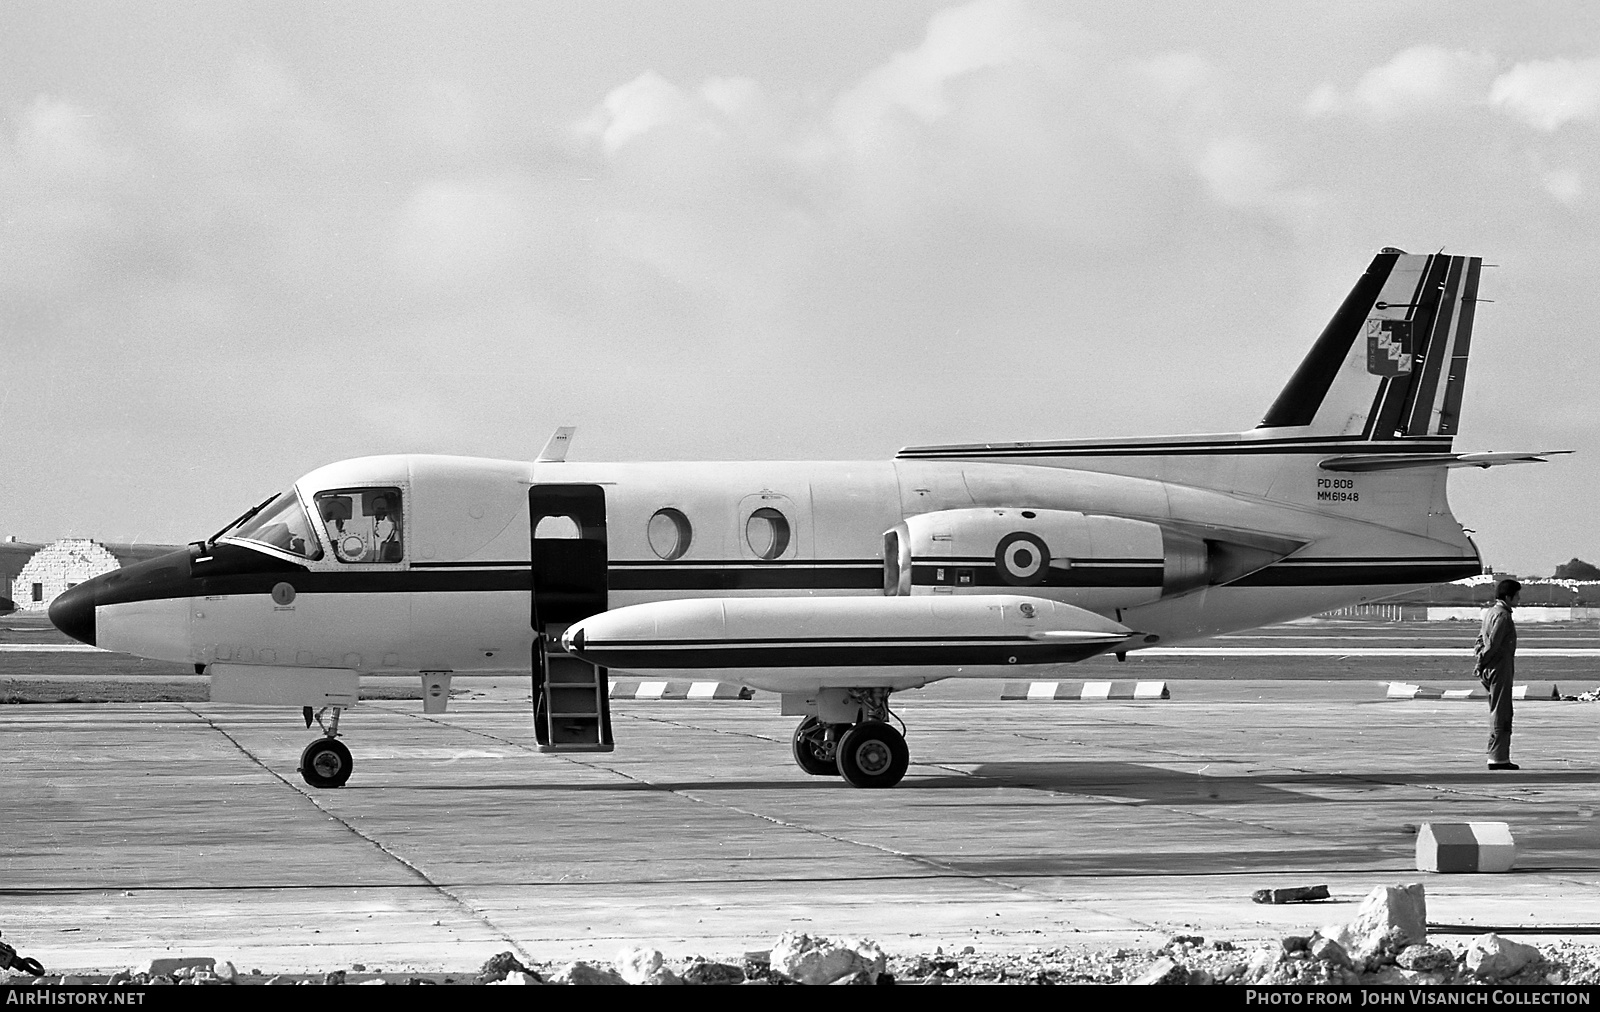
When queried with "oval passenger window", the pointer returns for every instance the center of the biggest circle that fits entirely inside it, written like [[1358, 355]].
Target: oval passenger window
[[669, 533], [767, 533]]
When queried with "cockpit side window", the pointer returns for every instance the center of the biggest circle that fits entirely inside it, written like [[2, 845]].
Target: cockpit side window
[[363, 524], [280, 524]]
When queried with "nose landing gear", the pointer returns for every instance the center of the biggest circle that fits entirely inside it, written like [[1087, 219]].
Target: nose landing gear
[[326, 762]]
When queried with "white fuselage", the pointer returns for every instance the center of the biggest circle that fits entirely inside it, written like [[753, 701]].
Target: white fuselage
[[456, 595]]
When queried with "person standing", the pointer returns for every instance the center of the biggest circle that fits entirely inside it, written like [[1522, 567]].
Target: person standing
[[1497, 667]]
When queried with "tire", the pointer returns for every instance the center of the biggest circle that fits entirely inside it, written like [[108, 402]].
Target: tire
[[873, 754], [325, 763], [805, 755]]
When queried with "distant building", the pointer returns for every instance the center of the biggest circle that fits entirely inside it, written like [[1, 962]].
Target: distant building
[[52, 569], [14, 555]]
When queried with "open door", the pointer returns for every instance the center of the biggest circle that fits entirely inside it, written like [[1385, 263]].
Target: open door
[[571, 704]]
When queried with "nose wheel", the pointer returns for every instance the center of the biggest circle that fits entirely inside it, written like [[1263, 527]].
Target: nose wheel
[[326, 762]]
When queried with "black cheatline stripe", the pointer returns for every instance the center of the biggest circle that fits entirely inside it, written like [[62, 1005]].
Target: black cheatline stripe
[[1201, 442], [1251, 448], [848, 656], [1423, 312], [497, 564], [1419, 405], [1450, 413], [979, 560], [1317, 572], [747, 579], [1300, 398], [1354, 576], [677, 564], [1313, 564], [1079, 578], [592, 644]]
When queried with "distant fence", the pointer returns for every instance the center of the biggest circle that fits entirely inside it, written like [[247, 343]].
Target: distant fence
[[1457, 613], [1383, 612]]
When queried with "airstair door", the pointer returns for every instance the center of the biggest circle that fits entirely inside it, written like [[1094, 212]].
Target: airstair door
[[571, 704]]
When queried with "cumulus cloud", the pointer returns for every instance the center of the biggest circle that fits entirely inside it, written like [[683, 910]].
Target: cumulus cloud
[[1550, 93], [1566, 185], [648, 102], [56, 136], [1417, 80], [462, 231], [1005, 112]]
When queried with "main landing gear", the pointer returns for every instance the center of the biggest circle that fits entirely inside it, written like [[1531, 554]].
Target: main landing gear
[[325, 762], [866, 753]]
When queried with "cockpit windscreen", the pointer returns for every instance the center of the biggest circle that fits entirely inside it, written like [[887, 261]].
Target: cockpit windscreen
[[281, 524]]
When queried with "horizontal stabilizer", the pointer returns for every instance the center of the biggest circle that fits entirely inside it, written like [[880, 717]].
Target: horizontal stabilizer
[[1398, 461]]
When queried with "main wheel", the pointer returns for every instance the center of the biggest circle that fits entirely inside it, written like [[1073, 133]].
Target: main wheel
[[806, 738], [325, 763], [873, 754]]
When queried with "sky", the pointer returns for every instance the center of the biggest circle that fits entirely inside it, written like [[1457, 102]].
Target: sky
[[241, 240]]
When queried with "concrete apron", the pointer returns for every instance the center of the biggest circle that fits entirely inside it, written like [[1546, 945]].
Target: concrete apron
[[136, 831]]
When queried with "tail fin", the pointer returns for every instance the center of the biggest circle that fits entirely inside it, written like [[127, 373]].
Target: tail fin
[[1392, 363]]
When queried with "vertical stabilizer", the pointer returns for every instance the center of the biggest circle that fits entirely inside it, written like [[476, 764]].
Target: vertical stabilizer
[[1392, 363]]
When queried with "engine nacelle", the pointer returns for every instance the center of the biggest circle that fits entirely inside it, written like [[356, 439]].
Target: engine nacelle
[[1095, 562]]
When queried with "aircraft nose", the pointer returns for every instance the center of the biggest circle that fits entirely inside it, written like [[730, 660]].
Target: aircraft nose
[[73, 612]]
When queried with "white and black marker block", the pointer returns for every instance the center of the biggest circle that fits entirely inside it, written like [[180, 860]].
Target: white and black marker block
[[1465, 847], [679, 690], [1531, 692], [1059, 692]]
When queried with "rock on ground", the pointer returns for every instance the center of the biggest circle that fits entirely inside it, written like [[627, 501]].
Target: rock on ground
[[637, 963], [580, 972], [807, 960], [705, 972], [1425, 956], [1492, 957], [1165, 970], [1389, 919]]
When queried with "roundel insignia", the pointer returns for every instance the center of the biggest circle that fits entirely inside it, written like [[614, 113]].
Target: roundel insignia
[[282, 594], [1022, 559]]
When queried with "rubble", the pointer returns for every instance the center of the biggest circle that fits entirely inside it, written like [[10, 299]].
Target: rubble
[[1494, 958], [1163, 971], [515, 977], [1390, 918], [580, 972], [642, 965], [496, 968], [807, 960], [1425, 956], [1388, 929], [706, 972]]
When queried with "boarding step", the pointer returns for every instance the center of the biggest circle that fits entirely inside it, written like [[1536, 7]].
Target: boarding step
[[572, 711]]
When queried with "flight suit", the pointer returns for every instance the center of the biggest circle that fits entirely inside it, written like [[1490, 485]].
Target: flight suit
[[1497, 667]]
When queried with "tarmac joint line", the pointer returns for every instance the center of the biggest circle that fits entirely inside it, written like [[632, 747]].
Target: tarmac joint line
[[356, 831]]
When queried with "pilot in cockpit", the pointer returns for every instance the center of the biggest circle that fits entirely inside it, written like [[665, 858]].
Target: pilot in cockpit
[[385, 530]]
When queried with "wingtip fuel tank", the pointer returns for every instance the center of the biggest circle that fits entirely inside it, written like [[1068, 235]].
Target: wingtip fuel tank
[[987, 635]]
